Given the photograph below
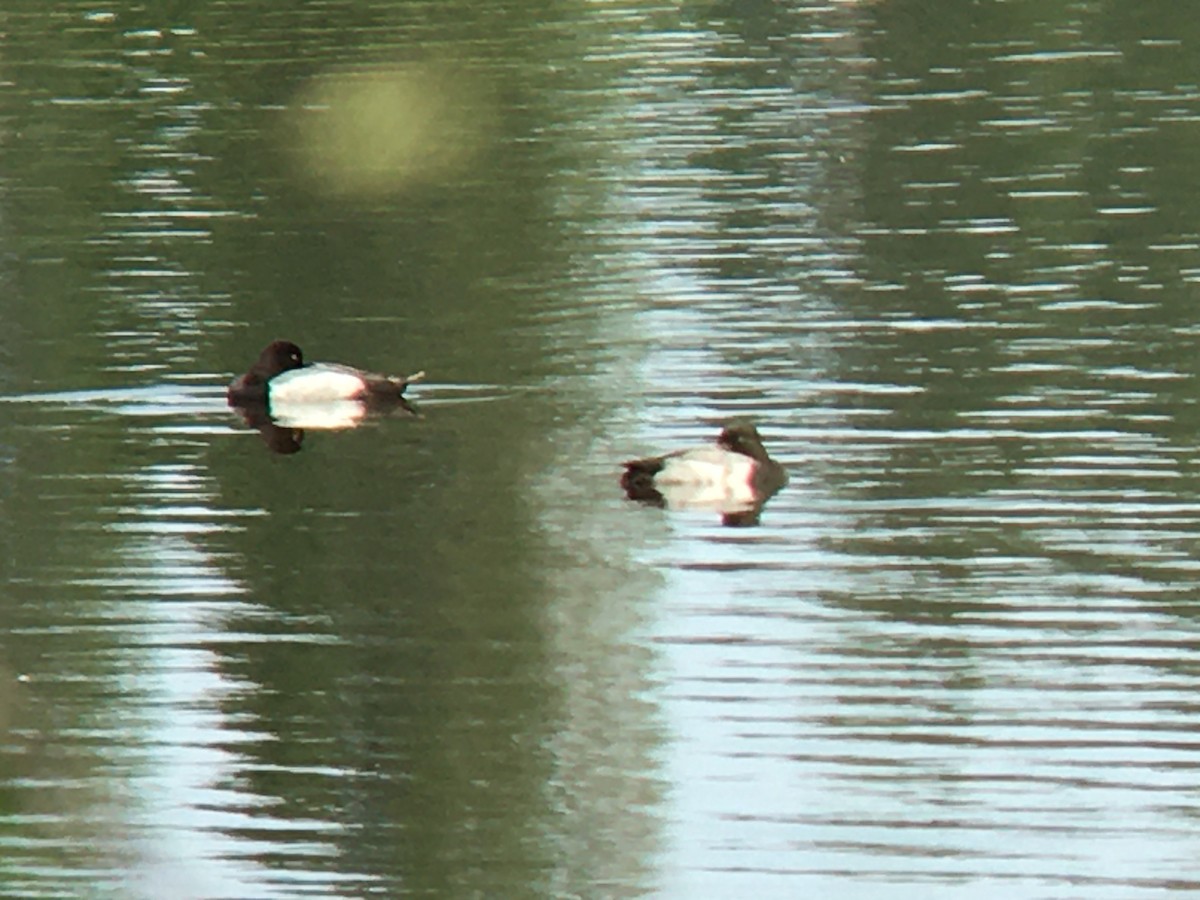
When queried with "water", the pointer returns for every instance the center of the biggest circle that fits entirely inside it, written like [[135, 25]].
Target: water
[[942, 256]]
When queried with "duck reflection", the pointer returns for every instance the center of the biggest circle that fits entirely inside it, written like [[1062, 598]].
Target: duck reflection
[[734, 477], [282, 426]]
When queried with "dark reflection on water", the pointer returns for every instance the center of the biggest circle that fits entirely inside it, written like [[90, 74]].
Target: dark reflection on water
[[941, 256]]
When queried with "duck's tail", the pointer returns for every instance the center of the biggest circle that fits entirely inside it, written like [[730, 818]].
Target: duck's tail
[[401, 383], [638, 480]]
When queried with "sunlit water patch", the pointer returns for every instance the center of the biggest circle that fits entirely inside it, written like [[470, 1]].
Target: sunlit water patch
[[954, 654], [123, 613]]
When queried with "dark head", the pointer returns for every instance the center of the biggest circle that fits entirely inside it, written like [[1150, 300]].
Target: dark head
[[276, 357], [742, 437]]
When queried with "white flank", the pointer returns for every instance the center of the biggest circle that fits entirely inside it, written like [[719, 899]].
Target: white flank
[[710, 478], [318, 383]]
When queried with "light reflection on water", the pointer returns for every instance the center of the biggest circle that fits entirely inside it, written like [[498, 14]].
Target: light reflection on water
[[145, 778], [943, 648], [954, 655], [139, 771]]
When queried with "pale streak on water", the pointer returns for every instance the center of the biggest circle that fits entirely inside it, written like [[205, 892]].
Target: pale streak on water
[[886, 690]]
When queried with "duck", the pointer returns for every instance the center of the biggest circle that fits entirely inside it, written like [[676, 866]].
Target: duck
[[734, 476], [280, 377]]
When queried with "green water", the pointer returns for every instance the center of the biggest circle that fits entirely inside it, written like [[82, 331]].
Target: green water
[[941, 253]]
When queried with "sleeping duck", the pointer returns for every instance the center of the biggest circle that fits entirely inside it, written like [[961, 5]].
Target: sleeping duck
[[280, 377], [735, 475]]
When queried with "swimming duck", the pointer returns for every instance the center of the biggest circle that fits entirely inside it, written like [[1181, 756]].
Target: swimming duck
[[280, 376], [733, 475]]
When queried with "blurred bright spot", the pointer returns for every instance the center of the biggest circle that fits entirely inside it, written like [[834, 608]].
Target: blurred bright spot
[[377, 130]]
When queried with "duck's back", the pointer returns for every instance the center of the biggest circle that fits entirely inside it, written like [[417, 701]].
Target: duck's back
[[706, 466]]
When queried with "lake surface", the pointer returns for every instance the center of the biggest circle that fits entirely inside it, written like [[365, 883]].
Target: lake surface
[[943, 254]]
